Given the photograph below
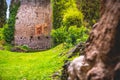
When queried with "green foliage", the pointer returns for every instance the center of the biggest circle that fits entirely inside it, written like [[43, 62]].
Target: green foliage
[[73, 17], [2, 41], [22, 48], [8, 29], [70, 37], [3, 7], [8, 33], [69, 29], [7, 46], [76, 35], [90, 9], [32, 66], [57, 13], [25, 47], [59, 35], [1, 34], [59, 8]]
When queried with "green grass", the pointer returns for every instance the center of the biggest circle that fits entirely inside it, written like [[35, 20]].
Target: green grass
[[30, 66]]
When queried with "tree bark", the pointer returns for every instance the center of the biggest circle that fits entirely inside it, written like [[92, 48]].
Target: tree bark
[[102, 51]]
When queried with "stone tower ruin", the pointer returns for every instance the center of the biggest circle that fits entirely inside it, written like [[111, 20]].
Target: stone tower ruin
[[33, 24]]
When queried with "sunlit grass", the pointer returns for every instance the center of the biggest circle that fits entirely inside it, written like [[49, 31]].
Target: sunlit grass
[[30, 66]]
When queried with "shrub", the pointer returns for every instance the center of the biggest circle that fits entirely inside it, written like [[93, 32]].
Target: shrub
[[59, 35], [2, 41], [67, 23], [69, 37], [73, 17], [1, 35], [8, 33], [59, 8], [23, 48], [76, 35]]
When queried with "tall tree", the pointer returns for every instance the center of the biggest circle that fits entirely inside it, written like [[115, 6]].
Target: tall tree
[[102, 48], [2, 12], [90, 9]]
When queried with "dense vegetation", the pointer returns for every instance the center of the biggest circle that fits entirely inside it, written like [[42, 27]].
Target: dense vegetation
[[64, 11], [8, 29], [2, 12], [74, 17], [90, 9], [72, 20]]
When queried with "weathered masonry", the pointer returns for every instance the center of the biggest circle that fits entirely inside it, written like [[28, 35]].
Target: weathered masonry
[[33, 24]]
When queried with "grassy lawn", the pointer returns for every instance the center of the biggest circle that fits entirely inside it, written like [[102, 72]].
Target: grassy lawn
[[30, 66]]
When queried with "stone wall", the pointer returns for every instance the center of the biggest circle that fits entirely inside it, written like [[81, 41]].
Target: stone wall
[[33, 24]]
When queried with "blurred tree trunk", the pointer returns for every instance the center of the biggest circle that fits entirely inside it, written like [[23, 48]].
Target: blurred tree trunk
[[2, 12], [102, 48]]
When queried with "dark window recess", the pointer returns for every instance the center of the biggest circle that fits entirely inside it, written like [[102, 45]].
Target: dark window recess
[[38, 37], [47, 37], [31, 37]]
